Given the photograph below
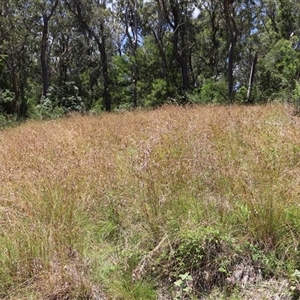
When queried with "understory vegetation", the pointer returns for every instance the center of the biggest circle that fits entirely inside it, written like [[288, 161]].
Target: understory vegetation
[[174, 203]]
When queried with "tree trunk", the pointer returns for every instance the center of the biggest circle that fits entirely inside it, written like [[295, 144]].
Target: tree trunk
[[176, 20], [232, 39], [135, 66], [213, 52], [43, 56], [106, 94], [44, 64], [182, 60], [184, 73], [131, 28], [251, 79], [14, 85], [230, 69], [159, 40]]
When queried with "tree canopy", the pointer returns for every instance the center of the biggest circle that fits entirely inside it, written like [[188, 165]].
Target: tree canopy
[[82, 55]]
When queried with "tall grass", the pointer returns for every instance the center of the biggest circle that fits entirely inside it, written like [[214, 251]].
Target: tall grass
[[123, 204]]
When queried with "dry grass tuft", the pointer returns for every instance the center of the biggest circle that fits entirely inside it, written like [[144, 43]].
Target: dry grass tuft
[[84, 200]]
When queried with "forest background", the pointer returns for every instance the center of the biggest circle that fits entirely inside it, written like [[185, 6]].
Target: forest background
[[94, 55]]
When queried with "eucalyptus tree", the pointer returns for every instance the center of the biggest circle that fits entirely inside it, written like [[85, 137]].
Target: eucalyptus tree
[[71, 51], [178, 21], [237, 16], [154, 24], [286, 18], [14, 46], [92, 18], [233, 32], [247, 49], [47, 9], [159, 71], [63, 39], [128, 12], [210, 50]]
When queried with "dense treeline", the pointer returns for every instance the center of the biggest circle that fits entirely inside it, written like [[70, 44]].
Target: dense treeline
[[82, 55]]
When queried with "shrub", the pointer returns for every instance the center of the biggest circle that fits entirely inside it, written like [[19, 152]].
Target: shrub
[[211, 91], [61, 100], [158, 93], [296, 97], [7, 101]]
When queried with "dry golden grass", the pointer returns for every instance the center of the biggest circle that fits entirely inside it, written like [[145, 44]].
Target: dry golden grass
[[83, 198]]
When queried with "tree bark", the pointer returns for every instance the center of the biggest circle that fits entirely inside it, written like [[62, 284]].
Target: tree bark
[[249, 99], [43, 56], [179, 47], [230, 69], [159, 40], [232, 34], [102, 49], [131, 28], [44, 64]]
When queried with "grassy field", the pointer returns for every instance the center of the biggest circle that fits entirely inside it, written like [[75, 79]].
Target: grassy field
[[176, 203]]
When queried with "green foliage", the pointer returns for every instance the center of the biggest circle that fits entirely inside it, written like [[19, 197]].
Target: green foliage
[[285, 18], [124, 288], [7, 101], [296, 97], [159, 61], [241, 95], [8, 120], [47, 110], [204, 256], [281, 68], [61, 100], [182, 286], [211, 91], [89, 95], [121, 91], [159, 93], [6, 96], [295, 284]]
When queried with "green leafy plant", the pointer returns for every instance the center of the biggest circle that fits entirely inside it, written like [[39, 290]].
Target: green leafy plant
[[280, 69], [6, 96], [211, 91], [183, 286], [61, 100], [295, 284], [296, 97], [159, 93], [199, 258]]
